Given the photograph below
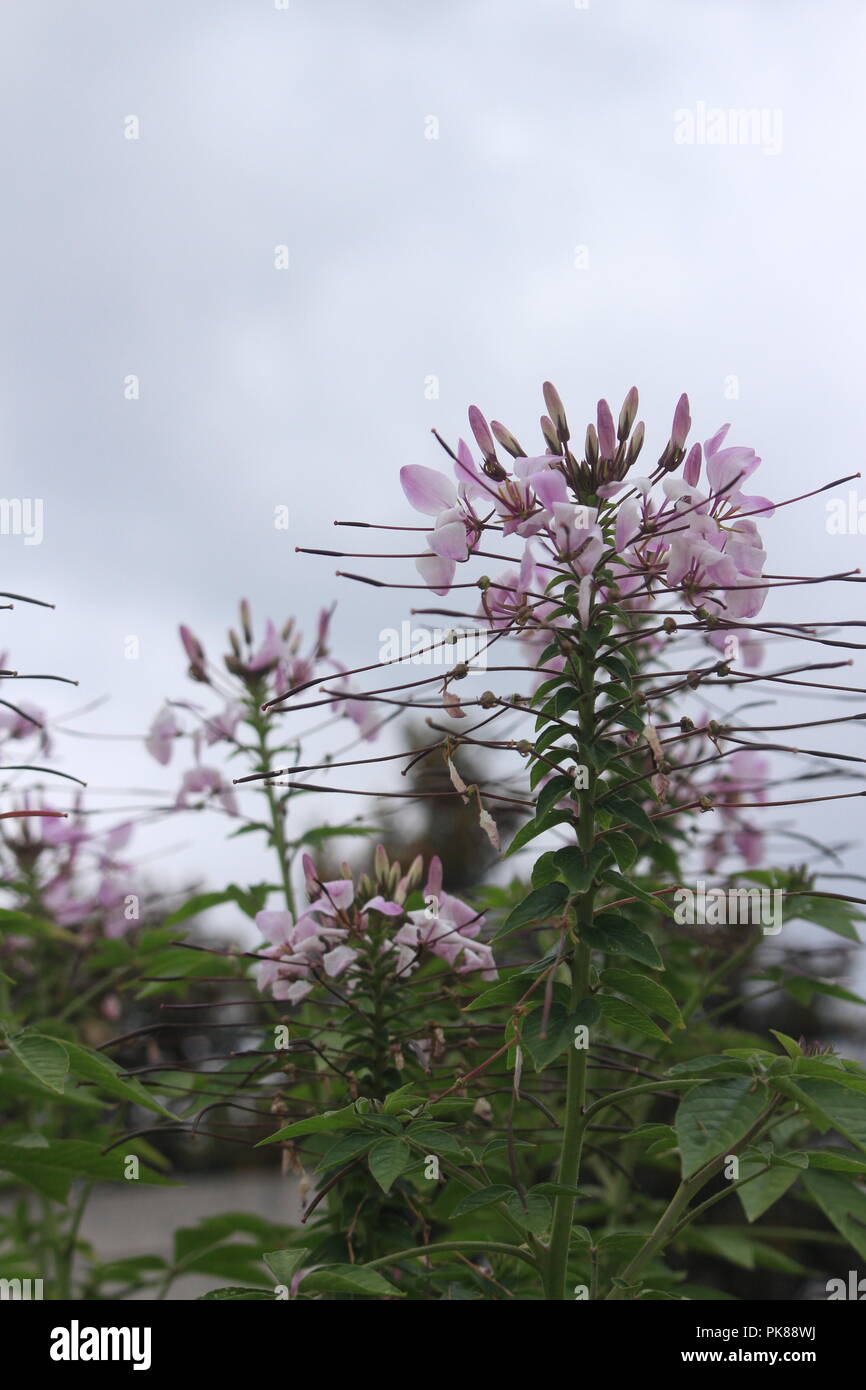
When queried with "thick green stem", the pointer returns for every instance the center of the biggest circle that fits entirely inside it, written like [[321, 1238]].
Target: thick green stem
[[278, 833], [575, 1088]]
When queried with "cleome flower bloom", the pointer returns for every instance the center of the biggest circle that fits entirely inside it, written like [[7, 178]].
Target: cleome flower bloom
[[344, 922], [687, 531]]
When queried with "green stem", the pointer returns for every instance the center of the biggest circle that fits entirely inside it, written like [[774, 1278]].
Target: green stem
[[575, 1086], [278, 833]]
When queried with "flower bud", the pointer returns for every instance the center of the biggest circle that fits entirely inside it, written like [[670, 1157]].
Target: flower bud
[[606, 431], [549, 431], [246, 622], [590, 448], [481, 430], [635, 444], [507, 440], [380, 862], [682, 422], [627, 415], [195, 652], [556, 410]]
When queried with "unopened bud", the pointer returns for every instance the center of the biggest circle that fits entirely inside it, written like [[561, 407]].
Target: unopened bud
[[635, 444], [549, 431], [682, 422], [556, 410], [246, 622], [481, 430], [606, 431], [507, 440], [590, 447], [627, 415], [195, 652], [380, 862]]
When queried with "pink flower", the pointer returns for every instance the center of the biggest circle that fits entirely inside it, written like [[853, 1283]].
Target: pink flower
[[206, 781], [163, 731]]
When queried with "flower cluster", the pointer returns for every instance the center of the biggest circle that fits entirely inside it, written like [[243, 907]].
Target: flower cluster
[[73, 875], [621, 536], [347, 921], [253, 673]]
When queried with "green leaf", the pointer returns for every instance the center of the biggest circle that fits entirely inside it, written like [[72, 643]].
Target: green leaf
[[844, 1205], [237, 1294], [836, 1161], [619, 937], [535, 1216], [387, 1159], [347, 1118], [634, 890], [537, 906], [832, 1104], [483, 1197], [829, 913], [351, 1279], [561, 1024], [625, 850], [760, 1193], [792, 1048], [51, 1169], [553, 791], [645, 991], [577, 868], [108, 1077], [401, 1100], [284, 1264], [46, 1058], [347, 1147], [622, 809], [712, 1119], [535, 827], [628, 1016]]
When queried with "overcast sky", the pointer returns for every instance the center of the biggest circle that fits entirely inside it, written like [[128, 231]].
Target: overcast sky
[[560, 224]]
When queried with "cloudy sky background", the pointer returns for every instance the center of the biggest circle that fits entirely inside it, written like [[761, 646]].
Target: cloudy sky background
[[457, 258]]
